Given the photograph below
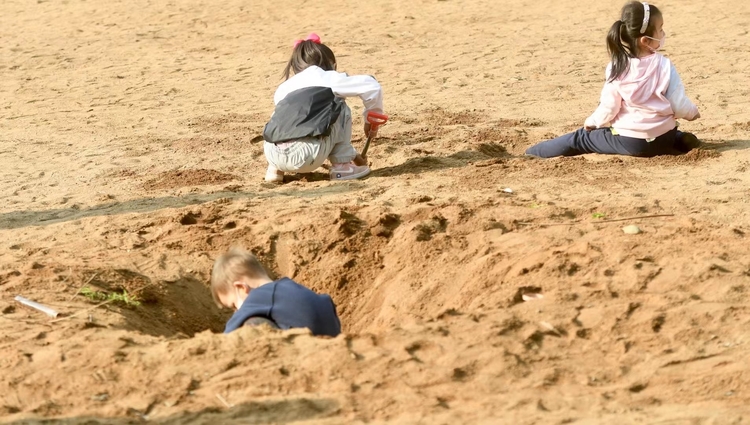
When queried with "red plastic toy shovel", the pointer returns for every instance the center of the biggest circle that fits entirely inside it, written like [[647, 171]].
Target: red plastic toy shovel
[[375, 120]]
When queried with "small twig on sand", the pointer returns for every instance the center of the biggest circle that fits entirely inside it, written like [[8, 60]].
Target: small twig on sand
[[570, 223], [83, 286], [81, 312], [635, 218], [65, 281], [599, 221], [221, 399]]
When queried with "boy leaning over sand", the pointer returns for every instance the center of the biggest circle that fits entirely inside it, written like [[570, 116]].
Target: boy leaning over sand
[[240, 282]]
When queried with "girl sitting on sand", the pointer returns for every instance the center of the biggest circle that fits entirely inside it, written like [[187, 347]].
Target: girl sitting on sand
[[311, 121], [641, 100]]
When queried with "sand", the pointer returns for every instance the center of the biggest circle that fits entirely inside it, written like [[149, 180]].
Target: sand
[[130, 158]]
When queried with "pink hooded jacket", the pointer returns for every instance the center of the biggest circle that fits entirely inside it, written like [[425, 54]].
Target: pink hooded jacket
[[645, 101]]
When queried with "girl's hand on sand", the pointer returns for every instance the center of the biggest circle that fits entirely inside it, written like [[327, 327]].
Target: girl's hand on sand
[[360, 160]]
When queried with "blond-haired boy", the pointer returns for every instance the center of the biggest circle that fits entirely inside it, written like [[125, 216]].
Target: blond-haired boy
[[239, 281]]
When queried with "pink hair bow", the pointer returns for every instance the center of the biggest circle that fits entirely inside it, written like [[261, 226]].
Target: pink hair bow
[[312, 37]]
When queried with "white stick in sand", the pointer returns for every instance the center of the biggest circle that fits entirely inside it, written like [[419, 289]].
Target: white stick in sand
[[43, 308]]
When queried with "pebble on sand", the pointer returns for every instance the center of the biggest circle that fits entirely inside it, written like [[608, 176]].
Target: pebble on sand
[[631, 230]]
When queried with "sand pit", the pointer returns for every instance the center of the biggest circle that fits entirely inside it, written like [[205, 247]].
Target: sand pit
[[131, 157]]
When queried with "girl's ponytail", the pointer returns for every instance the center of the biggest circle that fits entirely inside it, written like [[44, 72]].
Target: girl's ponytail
[[622, 39], [619, 55], [309, 52]]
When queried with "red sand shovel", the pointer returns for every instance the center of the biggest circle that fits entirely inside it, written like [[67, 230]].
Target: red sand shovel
[[375, 120]]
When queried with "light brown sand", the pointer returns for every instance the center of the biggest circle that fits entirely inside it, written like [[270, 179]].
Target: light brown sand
[[129, 159]]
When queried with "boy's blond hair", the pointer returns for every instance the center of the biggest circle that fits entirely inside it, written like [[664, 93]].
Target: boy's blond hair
[[231, 267]]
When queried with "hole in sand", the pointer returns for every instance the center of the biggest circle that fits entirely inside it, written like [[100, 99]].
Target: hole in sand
[[166, 308], [338, 256], [189, 219]]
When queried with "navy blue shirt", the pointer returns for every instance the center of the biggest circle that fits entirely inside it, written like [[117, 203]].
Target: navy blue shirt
[[289, 305]]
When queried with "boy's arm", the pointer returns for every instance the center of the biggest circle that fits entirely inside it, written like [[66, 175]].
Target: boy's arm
[[260, 321], [681, 104], [365, 87]]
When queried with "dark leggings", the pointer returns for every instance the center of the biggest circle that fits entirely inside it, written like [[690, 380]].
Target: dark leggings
[[604, 142]]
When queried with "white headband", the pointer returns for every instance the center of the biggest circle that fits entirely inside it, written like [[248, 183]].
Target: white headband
[[646, 17]]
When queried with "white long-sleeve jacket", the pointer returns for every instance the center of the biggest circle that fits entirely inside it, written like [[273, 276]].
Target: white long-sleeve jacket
[[365, 87]]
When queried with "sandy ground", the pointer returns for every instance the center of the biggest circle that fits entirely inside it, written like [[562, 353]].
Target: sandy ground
[[130, 158]]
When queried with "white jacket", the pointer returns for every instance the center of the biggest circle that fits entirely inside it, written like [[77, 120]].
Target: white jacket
[[365, 87]]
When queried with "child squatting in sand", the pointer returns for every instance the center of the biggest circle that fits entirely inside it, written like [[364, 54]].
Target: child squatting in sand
[[311, 121], [641, 100], [239, 281]]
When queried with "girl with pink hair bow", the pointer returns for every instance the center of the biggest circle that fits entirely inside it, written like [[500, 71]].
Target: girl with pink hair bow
[[311, 121]]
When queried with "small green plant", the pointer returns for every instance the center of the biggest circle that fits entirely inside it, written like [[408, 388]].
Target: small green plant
[[91, 294], [599, 215], [115, 297], [124, 298]]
